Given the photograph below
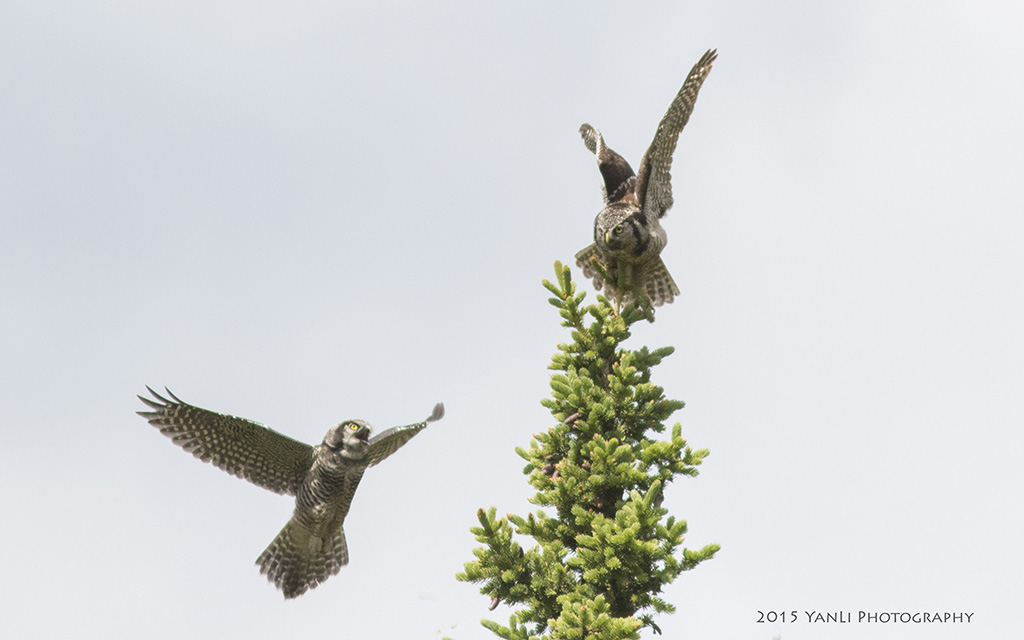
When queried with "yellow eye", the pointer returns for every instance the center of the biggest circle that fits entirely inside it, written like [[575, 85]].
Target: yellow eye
[[353, 426], [618, 229]]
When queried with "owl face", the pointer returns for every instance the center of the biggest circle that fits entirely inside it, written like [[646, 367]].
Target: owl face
[[350, 436], [620, 233]]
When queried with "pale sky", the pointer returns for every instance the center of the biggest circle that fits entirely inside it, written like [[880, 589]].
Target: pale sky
[[310, 211]]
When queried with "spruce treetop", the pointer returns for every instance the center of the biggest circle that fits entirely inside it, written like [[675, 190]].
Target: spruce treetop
[[603, 548]]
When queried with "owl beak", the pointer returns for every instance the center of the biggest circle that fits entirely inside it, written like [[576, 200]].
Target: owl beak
[[363, 435], [607, 238]]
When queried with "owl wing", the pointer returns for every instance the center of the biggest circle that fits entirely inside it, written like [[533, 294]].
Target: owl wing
[[653, 183], [657, 282], [583, 260], [241, 447], [391, 440], [617, 174]]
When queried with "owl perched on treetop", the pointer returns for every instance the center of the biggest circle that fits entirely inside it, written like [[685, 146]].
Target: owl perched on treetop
[[311, 547], [628, 236]]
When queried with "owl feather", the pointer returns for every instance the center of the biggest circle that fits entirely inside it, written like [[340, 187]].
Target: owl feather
[[628, 237], [323, 478]]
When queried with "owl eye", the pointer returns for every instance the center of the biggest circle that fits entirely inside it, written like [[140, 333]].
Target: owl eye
[[617, 230], [353, 426]]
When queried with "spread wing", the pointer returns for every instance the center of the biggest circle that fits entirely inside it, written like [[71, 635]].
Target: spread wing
[[391, 440], [241, 447], [615, 171], [653, 182]]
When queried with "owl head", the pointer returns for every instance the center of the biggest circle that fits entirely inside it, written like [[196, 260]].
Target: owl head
[[350, 436], [620, 231]]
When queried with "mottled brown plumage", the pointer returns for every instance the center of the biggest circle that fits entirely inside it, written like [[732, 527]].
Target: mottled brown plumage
[[311, 547], [628, 236]]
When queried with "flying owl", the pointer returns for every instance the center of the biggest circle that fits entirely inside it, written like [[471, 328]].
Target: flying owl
[[628, 236], [311, 547]]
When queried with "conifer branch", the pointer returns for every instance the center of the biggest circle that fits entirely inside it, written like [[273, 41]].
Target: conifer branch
[[604, 549]]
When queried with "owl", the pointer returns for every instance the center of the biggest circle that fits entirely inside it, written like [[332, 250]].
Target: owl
[[311, 547], [628, 236]]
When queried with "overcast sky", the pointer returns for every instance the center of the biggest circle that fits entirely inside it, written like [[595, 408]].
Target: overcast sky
[[309, 211]]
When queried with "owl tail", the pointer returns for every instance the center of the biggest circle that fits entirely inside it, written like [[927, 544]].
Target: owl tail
[[297, 561]]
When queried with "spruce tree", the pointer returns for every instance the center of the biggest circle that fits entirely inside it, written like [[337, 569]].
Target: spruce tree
[[603, 547]]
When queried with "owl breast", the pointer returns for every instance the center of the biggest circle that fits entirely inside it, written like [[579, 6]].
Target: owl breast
[[324, 500]]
